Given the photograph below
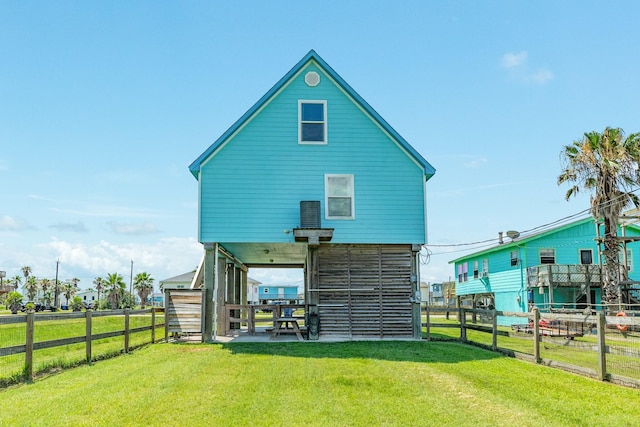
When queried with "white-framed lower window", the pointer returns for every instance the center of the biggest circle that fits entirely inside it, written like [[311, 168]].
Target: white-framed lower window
[[485, 267], [339, 196], [628, 259], [312, 122]]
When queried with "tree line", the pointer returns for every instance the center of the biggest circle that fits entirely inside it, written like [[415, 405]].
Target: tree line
[[112, 289]]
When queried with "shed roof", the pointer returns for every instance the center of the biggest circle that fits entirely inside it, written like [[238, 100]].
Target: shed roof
[[429, 170]]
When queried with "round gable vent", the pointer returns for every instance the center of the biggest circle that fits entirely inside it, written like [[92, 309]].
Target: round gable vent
[[312, 79]]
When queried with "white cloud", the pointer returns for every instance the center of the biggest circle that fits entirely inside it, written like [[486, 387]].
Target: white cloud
[[511, 60], [8, 223], [164, 258], [133, 228], [541, 76], [519, 69], [77, 227], [475, 162]]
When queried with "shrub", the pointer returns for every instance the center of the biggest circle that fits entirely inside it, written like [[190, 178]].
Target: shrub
[[14, 301], [76, 304]]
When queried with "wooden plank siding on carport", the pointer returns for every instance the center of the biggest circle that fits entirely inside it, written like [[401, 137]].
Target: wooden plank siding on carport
[[183, 311], [364, 291]]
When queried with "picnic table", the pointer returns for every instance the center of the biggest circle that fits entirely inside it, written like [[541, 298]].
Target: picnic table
[[282, 327]]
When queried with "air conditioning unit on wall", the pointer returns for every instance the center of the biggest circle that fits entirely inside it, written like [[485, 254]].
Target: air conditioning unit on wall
[[310, 214]]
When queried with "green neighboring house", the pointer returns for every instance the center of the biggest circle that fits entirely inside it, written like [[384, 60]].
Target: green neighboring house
[[555, 269]]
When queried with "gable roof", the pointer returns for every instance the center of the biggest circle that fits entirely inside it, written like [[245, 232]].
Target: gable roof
[[534, 236], [429, 170], [520, 240]]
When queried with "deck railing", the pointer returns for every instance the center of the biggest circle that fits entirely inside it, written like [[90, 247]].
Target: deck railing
[[564, 275]]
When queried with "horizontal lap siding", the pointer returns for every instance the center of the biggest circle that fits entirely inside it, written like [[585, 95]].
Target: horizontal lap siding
[[365, 291], [251, 188]]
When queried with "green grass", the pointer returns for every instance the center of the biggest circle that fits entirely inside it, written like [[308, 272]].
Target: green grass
[[318, 384], [556, 349], [11, 367]]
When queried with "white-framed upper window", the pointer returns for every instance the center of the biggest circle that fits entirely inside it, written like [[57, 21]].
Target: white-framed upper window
[[485, 266], [476, 273], [339, 197], [513, 258], [312, 120], [586, 256], [547, 256]]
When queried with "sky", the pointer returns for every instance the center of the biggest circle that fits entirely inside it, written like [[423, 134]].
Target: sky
[[103, 105]]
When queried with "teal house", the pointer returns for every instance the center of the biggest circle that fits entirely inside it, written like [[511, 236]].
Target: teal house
[[284, 293], [554, 269], [312, 177]]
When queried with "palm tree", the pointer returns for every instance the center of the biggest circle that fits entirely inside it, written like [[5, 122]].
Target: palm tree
[[17, 281], [45, 284], [99, 282], [143, 283], [31, 286], [607, 165], [115, 288], [26, 270], [68, 290]]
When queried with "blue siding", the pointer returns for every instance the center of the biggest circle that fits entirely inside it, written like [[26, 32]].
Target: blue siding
[[508, 282], [252, 186]]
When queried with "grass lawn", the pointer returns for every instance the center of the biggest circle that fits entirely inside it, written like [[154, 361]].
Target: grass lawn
[[319, 384]]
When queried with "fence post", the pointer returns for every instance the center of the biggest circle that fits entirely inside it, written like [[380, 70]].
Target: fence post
[[166, 314], [88, 337], [28, 355], [126, 330], [602, 349], [494, 331], [428, 320], [463, 321], [153, 325], [536, 335]]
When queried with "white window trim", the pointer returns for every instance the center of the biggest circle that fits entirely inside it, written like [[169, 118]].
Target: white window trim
[[326, 136], [352, 196], [580, 255], [555, 260]]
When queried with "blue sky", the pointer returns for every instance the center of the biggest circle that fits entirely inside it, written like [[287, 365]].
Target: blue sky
[[103, 105]]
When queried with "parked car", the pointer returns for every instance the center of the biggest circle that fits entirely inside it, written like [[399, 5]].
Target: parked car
[[36, 306]]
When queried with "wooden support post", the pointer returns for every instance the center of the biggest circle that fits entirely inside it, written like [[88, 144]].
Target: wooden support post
[[602, 349], [463, 322], [210, 262], [220, 298], [550, 276], [28, 355], [536, 335], [494, 330], [88, 334], [312, 314], [126, 330], [416, 305]]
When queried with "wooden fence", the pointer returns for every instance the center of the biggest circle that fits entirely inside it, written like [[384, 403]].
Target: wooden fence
[[31, 345], [563, 327]]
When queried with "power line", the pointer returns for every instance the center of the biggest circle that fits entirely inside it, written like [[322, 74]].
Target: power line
[[526, 233]]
